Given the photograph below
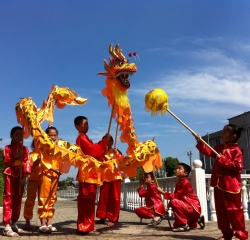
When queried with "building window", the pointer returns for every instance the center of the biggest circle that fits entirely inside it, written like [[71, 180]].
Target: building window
[[217, 142]]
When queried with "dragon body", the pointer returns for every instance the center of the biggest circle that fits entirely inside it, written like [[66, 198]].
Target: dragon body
[[31, 118]]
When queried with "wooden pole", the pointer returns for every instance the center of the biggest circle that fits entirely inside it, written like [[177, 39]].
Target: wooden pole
[[116, 134], [141, 206], [110, 120], [141, 198], [21, 169], [192, 132]]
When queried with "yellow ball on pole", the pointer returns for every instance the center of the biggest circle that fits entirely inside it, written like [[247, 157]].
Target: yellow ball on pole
[[156, 100]]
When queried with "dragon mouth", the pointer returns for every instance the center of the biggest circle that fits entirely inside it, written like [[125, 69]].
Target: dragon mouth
[[123, 78]]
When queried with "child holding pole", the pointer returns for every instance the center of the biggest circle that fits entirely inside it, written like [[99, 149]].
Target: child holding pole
[[110, 192], [154, 208], [16, 159], [87, 191], [226, 180], [184, 202]]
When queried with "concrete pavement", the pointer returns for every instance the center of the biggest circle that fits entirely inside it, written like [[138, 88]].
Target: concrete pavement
[[129, 227]]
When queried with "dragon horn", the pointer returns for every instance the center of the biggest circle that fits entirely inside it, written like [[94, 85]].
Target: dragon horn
[[119, 51], [111, 51]]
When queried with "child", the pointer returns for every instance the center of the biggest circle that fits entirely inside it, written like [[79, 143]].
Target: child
[[32, 188], [15, 156], [184, 202], [154, 206], [110, 192], [48, 187], [226, 181], [87, 191]]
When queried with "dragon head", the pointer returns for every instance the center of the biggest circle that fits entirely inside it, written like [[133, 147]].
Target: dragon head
[[118, 72], [65, 96], [118, 68]]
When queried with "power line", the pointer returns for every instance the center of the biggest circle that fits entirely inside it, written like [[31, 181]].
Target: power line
[[184, 152]]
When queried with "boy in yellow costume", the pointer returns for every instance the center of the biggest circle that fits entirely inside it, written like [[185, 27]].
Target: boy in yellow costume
[[33, 187]]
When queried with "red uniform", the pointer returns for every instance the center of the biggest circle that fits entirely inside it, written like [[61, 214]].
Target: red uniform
[[185, 204], [154, 205], [87, 191], [12, 199], [110, 196], [226, 181]]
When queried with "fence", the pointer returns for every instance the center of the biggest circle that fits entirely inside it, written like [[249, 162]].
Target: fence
[[198, 179]]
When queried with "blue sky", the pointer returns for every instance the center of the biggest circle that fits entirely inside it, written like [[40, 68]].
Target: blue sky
[[197, 51]]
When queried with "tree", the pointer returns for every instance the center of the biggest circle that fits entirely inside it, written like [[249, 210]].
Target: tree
[[170, 165], [1, 177], [63, 184], [161, 172], [70, 181], [139, 175]]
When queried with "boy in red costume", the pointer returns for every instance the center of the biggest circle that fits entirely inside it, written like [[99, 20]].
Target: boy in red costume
[[184, 202], [154, 206], [110, 192], [15, 156], [87, 191], [226, 181]]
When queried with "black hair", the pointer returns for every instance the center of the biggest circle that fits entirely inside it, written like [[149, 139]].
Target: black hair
[[78, 120], [51, 128], [14, 129], [151, 174], [186, 167], [234, 129], [110, 138]]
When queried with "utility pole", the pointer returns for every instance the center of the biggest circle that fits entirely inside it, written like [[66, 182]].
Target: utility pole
[[190, 158]]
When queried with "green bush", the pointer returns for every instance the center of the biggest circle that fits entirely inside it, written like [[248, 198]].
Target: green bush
[[170, 165]]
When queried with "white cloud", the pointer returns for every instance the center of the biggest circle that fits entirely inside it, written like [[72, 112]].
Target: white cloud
[[217, 79], [206, 87]]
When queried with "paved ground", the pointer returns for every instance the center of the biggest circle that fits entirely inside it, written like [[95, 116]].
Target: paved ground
[[129, 227]]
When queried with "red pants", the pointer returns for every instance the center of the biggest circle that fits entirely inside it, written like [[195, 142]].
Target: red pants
[[11, 199], [109, 201], [86, 207], [32, 189], [146, 212], [184, 213], [229, 210]]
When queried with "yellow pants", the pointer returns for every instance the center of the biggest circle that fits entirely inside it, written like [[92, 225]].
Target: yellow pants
[[47, 196], [32, 189]]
